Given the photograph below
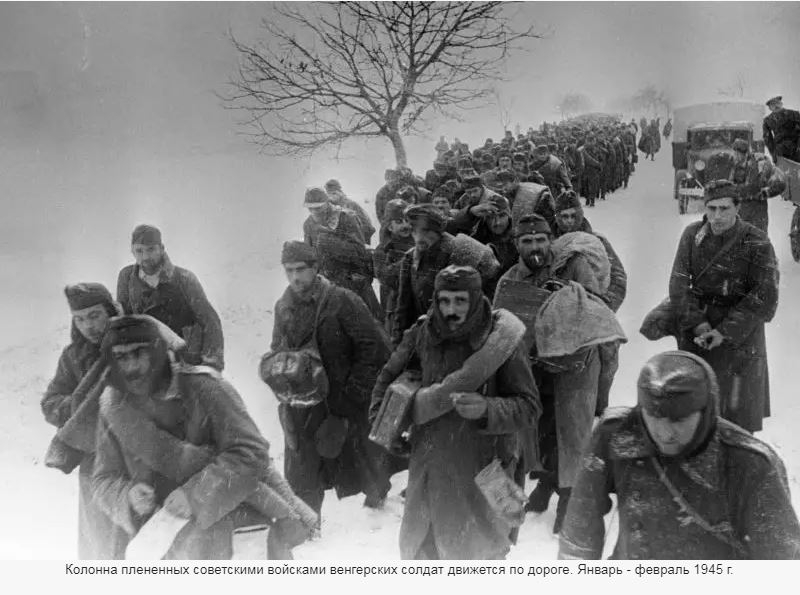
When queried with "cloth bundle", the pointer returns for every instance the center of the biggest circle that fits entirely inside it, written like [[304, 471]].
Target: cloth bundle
[[571, 319]]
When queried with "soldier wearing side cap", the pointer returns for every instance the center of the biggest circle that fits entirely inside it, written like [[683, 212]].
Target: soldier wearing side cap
[[689, 484], [723, 289], [782, 130], [80, 372]]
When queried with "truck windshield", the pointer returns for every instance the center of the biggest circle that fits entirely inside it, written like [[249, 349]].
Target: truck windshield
[[717, 139]]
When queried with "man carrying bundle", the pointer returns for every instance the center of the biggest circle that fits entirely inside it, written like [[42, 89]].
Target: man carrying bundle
[[566, 356], [178, 437], [478, 395]]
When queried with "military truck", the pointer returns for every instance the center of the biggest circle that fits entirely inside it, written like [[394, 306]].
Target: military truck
[[702, 145]]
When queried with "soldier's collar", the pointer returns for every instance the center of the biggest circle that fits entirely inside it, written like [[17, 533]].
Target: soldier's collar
[[631, 441]]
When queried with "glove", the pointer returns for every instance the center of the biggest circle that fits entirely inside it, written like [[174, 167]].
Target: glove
[[470, 405], [142, 499]]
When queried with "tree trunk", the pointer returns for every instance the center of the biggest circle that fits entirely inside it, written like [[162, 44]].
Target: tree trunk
[[399, 147]]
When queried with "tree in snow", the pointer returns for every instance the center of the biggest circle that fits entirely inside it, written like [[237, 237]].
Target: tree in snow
[[329, 72], [571, 104], [650, 99]]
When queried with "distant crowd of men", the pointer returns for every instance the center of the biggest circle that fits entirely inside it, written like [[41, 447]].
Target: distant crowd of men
[[484, 360]]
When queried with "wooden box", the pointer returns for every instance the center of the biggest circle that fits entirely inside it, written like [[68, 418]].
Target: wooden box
[[523, 300], [394, 415]]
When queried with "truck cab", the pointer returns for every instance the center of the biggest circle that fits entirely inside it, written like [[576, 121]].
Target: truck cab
[[702, 147]]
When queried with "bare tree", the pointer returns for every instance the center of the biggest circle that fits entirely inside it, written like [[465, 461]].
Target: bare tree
[[335, 71], [651, 99], [571, 104], [736, 89], [503, 108]]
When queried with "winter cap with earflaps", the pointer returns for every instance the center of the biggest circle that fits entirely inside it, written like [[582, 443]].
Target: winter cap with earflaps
[[457, 278], [315, 197], [297, 251], [773, 100], [85, 295], [140, 328], [675, 384]]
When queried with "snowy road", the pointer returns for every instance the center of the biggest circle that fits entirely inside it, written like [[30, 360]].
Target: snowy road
[[39, 512]]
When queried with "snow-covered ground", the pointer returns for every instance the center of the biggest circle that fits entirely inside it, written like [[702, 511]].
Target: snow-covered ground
[[39, 505]]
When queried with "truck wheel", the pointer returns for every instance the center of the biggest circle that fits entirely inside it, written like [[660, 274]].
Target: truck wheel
[[794, 235]]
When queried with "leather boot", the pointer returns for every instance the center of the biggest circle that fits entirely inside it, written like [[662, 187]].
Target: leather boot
[[539, 499], [561, 511]]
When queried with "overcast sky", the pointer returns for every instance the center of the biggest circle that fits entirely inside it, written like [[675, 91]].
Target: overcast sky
[[108, 116]]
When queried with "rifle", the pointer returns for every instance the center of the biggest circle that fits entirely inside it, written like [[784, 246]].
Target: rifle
[[76, 437]]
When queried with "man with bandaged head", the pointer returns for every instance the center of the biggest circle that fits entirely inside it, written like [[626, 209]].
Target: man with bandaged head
[[459, 427], [689, 484], [175, 436]]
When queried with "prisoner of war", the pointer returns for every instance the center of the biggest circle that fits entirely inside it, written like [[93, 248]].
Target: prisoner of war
[[79, 373], [689, 484], [178, 437], [461, 426]]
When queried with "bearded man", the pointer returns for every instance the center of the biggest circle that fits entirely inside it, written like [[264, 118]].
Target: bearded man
[[178, 437], [457, 433], [569, 388], [173, 295]]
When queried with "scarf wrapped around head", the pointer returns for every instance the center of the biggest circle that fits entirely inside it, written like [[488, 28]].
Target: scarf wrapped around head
[[460, 278]]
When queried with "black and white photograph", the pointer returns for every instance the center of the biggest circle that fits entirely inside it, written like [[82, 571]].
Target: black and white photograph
[[400, 281]]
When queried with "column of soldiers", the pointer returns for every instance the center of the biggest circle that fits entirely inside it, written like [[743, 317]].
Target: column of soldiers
[[484, 360]]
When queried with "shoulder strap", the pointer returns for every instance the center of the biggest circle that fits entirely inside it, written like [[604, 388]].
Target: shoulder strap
[[721, 531], [323, 296], [714, 259]]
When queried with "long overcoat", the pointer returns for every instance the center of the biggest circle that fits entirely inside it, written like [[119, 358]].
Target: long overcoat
[[96, 534], [201, 409], [737, 294], [449, 451], [353, 350]]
